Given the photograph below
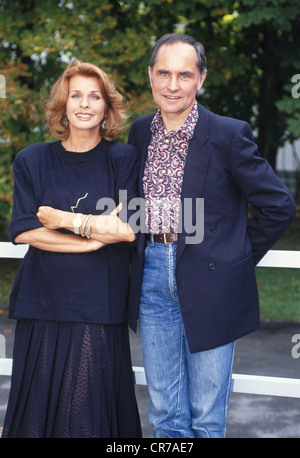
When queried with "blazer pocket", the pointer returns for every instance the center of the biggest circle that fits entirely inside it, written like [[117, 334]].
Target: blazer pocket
[[241, 259]]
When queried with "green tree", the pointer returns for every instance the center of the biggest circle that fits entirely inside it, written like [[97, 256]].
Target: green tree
[[252, 55]]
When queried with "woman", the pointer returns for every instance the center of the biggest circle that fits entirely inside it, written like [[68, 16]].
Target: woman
[[72, 373]]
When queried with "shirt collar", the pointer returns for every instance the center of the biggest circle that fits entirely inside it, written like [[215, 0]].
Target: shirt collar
[[187, 129]]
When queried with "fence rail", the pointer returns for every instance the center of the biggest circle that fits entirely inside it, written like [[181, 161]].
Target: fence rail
[[242, 383]]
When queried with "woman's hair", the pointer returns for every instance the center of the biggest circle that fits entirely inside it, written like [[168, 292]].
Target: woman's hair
[[55, 107]]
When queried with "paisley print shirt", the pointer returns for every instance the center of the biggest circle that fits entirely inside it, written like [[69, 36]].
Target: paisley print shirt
[[163, 173]]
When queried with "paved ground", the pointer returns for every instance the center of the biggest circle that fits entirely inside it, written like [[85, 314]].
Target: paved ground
[[268, 351]]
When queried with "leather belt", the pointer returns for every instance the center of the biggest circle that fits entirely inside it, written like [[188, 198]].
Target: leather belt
[[168, 238]]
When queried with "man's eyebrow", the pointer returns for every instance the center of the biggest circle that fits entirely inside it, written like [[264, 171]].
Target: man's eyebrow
[[184, 72]]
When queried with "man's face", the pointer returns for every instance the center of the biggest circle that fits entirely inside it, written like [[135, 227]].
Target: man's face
[[175, 79]]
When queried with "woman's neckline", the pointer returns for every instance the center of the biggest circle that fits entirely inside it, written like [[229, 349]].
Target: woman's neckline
[[83, 151]]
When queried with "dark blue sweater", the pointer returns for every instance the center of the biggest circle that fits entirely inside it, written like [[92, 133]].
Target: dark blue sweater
[[89, 287]]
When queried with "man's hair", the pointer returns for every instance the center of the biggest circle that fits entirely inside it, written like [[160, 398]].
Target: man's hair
[[173, 38]]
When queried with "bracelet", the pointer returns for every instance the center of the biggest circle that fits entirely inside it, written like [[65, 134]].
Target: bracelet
[[88, 235], [84, 224]]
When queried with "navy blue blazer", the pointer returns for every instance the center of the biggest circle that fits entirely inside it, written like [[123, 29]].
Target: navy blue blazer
[[216, 278]]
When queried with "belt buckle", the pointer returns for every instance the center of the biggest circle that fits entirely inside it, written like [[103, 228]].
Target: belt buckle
[[165, 240]]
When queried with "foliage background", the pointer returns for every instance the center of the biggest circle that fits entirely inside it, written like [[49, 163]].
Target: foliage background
[[252, 51]]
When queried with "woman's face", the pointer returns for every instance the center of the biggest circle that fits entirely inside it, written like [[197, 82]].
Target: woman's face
[[85, 108]]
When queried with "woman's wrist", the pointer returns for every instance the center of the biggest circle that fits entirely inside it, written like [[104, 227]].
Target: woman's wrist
[[64, 220]]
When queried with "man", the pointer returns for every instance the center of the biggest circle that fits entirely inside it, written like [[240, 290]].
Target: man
[[198, 293]]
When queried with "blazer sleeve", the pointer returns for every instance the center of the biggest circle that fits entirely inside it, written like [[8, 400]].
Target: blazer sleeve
[[131, 136], [25, 203], [273, 202], [124, 158]]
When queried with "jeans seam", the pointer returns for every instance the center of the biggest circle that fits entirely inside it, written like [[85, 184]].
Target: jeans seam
[[172, 280], [180, 377], [228, 388]]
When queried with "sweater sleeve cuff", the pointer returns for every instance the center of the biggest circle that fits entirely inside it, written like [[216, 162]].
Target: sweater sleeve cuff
[[22, 224]]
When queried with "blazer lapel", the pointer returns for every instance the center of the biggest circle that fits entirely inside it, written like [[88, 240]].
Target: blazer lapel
[[145, 139], [195, 170]]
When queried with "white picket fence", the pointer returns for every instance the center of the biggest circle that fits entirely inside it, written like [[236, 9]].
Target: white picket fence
[[247, 384]]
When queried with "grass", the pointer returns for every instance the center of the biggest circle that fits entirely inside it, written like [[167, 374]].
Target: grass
[[279, 289], [279, 293]]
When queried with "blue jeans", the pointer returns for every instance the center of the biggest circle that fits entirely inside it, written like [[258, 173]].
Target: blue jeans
[[189, 393]]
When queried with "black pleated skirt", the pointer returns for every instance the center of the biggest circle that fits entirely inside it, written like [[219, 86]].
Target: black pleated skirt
[[71, 380]]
